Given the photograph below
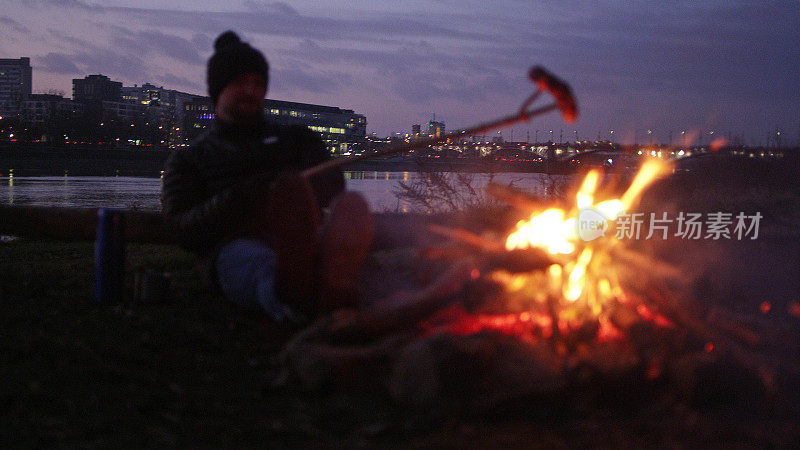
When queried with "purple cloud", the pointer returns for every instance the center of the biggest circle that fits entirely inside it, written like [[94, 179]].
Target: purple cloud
[[172, 81], [14, 25], [307, 79], [156, 42], [57, 63]]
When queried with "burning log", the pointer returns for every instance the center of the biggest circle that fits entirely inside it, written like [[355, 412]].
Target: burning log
[[326, 349], [448, 253], [468, 238], [495, 257], [402, 311], [519, 261]]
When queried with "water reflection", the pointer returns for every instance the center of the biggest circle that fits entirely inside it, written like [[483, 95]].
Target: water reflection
[[374, 175], [379, 189], [84, 192]]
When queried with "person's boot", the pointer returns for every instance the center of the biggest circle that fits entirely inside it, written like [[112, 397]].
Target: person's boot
[[293, 218], [345, 242]]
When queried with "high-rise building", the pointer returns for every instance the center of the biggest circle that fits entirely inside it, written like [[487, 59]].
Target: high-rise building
[[151, 95], [147, 94], [415, 130], [15, 84], [45, 108], [50, 117], [435, 129], [197, 116], [167, 107], [340, 129], [96, 88]]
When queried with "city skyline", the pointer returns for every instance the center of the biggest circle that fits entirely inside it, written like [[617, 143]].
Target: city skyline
[[727, 67]]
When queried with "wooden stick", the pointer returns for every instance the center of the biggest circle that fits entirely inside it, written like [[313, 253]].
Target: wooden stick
[[646, 263], [467, 237], [452, 252], [403, 310]]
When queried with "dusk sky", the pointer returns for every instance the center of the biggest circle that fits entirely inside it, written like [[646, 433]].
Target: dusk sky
[[727, 66]]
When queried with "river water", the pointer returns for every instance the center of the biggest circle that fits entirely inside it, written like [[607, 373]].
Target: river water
[[379, 188]]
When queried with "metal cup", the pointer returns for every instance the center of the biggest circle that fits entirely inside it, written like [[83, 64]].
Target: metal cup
[[109, 255]]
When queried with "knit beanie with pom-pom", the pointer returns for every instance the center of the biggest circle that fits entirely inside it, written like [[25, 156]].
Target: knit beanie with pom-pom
[[231, 58]]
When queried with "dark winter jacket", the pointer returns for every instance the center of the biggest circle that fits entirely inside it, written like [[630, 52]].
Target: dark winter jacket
[[211, 188]]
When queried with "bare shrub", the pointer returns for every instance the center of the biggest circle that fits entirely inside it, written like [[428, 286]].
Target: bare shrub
[[439, 191]]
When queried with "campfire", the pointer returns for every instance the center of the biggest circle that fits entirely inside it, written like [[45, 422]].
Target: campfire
[[556, 301], [572, 283]]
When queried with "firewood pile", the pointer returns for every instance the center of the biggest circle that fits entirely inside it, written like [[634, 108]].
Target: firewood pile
[[503, 323]]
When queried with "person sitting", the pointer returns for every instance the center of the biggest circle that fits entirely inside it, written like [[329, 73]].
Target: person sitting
[[236, 198]]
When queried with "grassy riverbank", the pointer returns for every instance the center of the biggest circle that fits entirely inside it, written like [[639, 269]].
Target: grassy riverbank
[[194, 370], [78, 373]]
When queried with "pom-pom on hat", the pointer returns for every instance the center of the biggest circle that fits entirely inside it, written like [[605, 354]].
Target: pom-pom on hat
[[231, 58]]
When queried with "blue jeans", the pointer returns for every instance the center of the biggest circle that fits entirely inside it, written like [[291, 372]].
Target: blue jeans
[[246, 274]]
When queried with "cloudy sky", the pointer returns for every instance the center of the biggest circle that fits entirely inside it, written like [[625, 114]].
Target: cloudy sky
[[727, 66]]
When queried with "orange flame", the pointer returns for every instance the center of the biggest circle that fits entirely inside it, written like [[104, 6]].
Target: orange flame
[[574, 293], [581, 276]]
